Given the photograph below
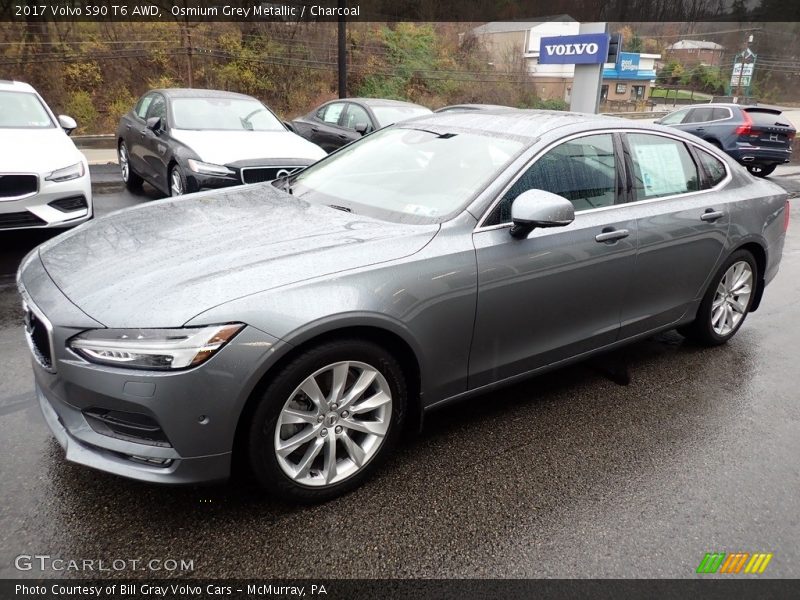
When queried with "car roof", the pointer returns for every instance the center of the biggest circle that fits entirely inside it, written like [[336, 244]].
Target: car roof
[[526, 123], [15, 86], [198, 93], [382, 102], [467, 106]]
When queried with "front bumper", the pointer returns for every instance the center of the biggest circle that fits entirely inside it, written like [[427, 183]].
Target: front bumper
[[196, 411], [40, 210]]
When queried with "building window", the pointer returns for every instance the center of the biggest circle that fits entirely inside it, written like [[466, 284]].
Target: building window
[[621, 87], [637, 92]]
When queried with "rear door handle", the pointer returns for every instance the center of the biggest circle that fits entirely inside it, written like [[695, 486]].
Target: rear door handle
[[315, 129], [712, 215], [611, 235], [341, 136], [700, 128]]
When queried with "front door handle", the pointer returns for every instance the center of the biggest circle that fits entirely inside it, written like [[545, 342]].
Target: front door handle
[[315, 129], [700, 129], [611, 235], [712, 215]]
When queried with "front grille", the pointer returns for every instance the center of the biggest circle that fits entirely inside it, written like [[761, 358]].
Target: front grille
[[12, 186], [260, 174], [19, 219], [38, 336], [131, 427], [69, 204]]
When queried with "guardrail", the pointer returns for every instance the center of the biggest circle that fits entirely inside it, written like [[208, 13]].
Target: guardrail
[[105, 141]]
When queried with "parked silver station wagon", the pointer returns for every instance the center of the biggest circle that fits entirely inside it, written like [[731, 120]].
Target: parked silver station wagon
[[298, 326]]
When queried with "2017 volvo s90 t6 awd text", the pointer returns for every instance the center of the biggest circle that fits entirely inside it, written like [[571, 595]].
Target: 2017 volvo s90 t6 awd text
[[297, 326]]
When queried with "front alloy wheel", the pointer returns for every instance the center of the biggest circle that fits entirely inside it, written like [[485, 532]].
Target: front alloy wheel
[[177, 182], [325, 437], [326, 420]]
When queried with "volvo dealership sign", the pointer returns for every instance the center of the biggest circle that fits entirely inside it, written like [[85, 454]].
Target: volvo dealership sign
[[585, 49]]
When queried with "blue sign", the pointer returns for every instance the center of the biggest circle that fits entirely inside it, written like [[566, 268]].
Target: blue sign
[[628, 62], [586, 49]]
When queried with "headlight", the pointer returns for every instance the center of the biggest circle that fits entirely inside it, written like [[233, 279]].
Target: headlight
[[208, 168], [161, 349], [67, 173]]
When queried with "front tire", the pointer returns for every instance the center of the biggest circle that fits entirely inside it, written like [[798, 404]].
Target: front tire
[[327, 420], [726, 303], [177, 181], [761, 170], [131, 180]]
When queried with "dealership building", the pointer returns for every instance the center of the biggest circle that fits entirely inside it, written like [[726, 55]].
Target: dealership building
[[517, 44]]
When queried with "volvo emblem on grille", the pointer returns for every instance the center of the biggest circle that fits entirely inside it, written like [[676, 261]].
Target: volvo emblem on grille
[[282, 173]]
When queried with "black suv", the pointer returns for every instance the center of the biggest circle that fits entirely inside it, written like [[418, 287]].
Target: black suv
[[760, 138]]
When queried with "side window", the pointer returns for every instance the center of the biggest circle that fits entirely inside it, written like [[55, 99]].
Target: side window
[[356, 115], [699, 115], [158, 107], [675, 118], [713, 167], [718, 114], [661, 166], [332, 112], [144, 104], [582, 170]]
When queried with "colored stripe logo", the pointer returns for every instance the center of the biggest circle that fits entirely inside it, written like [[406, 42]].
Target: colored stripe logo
[[734, 563]]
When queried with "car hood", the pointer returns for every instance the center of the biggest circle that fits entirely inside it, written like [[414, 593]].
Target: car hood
[[36, 150], [160, 264], [225, 147]]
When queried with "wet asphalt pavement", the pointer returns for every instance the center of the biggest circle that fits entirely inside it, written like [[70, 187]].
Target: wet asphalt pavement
[[566, 475]]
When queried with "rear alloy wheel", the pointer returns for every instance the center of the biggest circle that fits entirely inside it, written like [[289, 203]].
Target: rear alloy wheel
[[177, 181], [131, 180], [726, 303], [326, 420], [761, 170]]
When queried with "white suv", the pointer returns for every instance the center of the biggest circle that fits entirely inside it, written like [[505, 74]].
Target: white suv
[[44, 179]]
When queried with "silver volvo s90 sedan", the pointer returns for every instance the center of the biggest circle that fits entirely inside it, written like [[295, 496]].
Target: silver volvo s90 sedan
[[298, 325]]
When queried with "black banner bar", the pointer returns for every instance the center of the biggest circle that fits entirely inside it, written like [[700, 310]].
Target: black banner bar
[[440, 589], [398, 10]]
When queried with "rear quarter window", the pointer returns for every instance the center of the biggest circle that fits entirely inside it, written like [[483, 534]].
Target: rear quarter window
[[713, 167]]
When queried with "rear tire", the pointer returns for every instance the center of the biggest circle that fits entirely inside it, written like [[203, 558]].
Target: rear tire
[[726, 302], [131, 180], [761, 170], [311, 440]]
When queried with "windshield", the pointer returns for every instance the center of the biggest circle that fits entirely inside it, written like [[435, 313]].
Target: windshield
[[387, 115], [412, 174], [223, 114], [23, 110]]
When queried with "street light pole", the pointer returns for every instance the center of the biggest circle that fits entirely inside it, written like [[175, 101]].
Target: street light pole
[[342, 54]]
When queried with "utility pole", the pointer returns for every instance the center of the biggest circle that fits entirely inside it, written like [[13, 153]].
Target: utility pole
[[747, 41], [189, 55], [342, 54]]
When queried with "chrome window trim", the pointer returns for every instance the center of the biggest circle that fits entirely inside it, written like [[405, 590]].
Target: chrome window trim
[[23, 196], [29, 305], [728, 175]]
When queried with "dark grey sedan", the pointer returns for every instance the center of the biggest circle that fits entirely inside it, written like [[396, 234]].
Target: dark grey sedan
[[340, 122], [298, 326]]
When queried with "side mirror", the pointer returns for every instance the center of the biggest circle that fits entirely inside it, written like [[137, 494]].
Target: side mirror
[[362, 128], [537, 208], [154, 124], [68, 124], [657, 122]]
